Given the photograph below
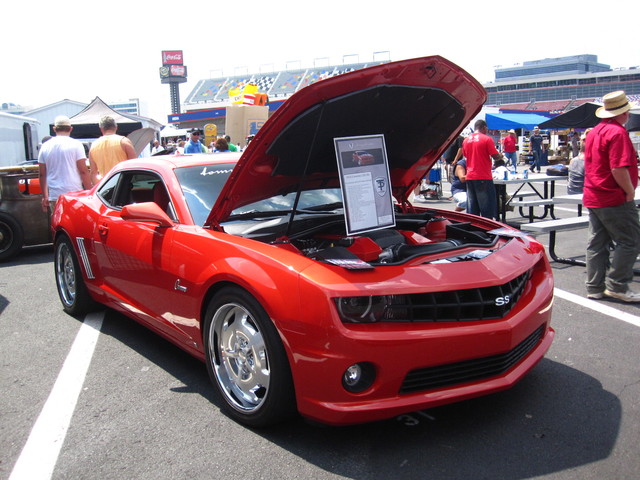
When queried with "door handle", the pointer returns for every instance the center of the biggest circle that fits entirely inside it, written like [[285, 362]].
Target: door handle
[[103, 230]]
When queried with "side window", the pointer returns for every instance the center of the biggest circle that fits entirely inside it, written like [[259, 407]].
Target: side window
[[126, 188], [108, 190]]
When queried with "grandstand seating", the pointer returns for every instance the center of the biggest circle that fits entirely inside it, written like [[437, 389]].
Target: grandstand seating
[[514, 106], [550, 106], [275, 84]]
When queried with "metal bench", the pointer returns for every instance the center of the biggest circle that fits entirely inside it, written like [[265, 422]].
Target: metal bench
[[558, 225], [547, 203]]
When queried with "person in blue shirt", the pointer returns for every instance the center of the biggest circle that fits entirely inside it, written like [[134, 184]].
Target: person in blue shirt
[[194, 145], [536, 148]]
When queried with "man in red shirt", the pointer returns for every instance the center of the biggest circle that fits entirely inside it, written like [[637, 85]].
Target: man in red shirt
[[478, 148], [611, 178], [509, 149]]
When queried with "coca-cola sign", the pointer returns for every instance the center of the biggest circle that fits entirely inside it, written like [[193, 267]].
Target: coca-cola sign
[[178, 71], [172, 57]]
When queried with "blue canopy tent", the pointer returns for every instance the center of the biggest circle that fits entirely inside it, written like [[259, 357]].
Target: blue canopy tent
[[507, 121]]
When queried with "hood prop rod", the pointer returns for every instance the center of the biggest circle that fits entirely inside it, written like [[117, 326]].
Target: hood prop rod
[[306, 169]]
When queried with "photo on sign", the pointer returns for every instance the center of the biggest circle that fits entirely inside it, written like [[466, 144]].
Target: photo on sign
[[365, 181]]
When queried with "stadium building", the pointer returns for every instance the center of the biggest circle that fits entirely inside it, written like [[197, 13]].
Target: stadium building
[[559, 84], [551, 85]]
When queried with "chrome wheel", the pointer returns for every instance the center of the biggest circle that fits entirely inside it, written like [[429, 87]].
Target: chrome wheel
[[246, 359], [241, 360], [65, 274], [72, 290]]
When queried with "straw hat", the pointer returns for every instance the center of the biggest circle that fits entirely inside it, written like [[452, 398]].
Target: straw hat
[[615, 103]]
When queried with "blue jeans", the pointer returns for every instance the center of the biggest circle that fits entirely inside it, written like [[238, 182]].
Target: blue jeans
[[481, 198], [513, 157], [619, 225], [537, 159]]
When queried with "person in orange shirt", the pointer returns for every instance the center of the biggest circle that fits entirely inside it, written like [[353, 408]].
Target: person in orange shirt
[[110, 148]]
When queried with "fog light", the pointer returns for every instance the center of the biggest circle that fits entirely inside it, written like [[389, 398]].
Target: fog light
[[358, 377]]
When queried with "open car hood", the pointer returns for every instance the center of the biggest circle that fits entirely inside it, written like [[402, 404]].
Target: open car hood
[[419, 105]]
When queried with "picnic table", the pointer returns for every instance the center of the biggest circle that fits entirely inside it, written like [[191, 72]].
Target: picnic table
[[573, 199], [576, 199], [563, 224], [527, 195]]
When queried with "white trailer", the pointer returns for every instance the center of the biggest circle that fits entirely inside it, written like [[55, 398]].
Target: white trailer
[[18, 139]]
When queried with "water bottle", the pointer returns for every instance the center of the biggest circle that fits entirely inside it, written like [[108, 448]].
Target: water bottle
[[526, 173]]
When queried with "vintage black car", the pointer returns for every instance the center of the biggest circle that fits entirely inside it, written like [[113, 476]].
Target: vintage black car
[[22, 221]]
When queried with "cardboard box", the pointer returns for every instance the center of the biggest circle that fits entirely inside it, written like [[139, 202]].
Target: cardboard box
[[244, 120]]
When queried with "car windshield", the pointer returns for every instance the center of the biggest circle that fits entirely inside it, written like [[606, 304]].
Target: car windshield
[[201, 186], [311, 201]]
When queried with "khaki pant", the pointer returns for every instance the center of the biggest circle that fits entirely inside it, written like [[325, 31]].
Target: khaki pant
[[609, 269]]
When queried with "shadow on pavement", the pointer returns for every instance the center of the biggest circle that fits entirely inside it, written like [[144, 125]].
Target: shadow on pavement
[[557, 418]]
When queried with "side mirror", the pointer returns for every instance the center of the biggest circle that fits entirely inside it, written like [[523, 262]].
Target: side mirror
[[146, 212]]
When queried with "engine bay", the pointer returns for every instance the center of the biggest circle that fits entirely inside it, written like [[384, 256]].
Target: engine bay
[[415, 235], [323, 238]]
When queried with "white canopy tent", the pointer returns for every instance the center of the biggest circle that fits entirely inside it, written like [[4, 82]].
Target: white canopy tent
[[171, 131]]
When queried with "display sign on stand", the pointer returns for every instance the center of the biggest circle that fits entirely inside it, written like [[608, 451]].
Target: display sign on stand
[[366, 184]]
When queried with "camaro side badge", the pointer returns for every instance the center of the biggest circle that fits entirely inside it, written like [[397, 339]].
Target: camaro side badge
[[179, 287]]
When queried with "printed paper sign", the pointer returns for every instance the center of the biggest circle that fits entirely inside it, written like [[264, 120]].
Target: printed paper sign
[[365, 181]]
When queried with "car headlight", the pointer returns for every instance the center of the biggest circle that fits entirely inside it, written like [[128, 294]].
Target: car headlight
[[372, 308]]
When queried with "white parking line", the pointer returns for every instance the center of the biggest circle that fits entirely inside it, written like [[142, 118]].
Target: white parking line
[[40, 453], [598, 307]]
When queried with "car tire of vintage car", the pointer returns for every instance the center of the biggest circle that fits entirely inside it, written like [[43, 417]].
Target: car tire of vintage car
[[71, 287], [11, 236], [246, 359]]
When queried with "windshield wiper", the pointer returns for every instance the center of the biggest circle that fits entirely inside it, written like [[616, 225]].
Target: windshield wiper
[[258, 214], [329, 208]]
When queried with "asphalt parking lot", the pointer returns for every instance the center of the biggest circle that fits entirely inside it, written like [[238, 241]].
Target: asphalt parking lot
[[104, 398]]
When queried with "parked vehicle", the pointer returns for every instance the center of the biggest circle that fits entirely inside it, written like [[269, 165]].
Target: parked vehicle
[[361, 158], [22, 221], [246, 261]]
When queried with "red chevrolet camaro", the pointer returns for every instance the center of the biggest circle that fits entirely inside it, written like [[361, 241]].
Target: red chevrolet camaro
[[247, 261]]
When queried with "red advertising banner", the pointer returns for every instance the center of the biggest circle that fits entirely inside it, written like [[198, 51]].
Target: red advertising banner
[[172, 57], [178, 71]]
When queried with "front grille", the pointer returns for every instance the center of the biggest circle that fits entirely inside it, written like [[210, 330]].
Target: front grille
[[470, 370], [487, 303]]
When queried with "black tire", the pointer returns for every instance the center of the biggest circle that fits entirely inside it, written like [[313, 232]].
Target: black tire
[[69, 280], [11, 236], [246, 360]]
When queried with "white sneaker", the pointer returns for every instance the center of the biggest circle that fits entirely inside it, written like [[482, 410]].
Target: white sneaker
[[595, 296], [627, 296]]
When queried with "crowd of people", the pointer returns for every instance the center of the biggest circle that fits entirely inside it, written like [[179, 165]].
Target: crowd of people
[[603, 168], [194, 144], [65, 164]]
